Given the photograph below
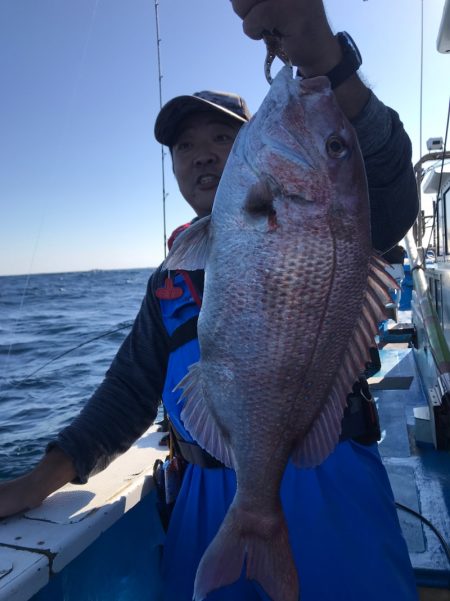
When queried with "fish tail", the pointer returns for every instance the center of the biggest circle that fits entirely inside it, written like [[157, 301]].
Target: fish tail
[[263, 543]]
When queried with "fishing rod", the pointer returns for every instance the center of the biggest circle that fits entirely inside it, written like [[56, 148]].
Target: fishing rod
[[122, 326], [163, 152]]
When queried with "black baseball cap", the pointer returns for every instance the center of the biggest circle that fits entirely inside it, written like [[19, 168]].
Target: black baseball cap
[[177, 109]]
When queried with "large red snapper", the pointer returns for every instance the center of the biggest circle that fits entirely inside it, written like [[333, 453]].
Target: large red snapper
[[291, 303]]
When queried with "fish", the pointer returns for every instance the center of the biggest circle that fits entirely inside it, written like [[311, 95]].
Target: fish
[[292, 298]]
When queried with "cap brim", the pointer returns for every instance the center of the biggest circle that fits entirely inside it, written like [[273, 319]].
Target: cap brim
[[177, 109]]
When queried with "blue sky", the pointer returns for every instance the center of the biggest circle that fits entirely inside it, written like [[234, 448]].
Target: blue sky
[[80, 172]]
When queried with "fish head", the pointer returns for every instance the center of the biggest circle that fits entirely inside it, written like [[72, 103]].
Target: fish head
[[305, 155]]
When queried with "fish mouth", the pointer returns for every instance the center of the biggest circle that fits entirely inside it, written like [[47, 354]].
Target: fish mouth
[[206, 181]]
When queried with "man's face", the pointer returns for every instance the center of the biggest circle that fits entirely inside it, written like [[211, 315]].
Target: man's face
[[199, 155]]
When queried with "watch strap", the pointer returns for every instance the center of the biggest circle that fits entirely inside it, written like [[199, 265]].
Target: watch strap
[[350, 62]]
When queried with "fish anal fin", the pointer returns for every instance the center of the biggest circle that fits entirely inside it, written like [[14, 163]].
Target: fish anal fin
[[199, 420], [190, 248], [312, 449]]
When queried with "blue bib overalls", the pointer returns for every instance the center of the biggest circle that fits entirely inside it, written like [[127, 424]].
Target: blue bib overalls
[[342, 520]]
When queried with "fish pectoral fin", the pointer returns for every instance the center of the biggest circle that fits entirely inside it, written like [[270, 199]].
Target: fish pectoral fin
[[190, 249], [199, 420], [324, 434]]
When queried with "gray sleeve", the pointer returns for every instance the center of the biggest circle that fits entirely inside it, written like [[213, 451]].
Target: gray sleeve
[[386, 149], [126, 402]]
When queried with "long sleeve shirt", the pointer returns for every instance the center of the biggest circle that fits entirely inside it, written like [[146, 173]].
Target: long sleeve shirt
[[126, 402]]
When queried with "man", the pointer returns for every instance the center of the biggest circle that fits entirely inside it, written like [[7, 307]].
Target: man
[[342, 520]]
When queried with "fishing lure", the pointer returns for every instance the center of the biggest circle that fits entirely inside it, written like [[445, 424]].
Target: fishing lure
[[275, 49]]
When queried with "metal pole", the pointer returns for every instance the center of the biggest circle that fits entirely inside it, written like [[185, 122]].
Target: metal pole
[[419, 229]]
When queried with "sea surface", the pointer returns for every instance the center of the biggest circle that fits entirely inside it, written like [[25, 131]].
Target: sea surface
[[41, 318]]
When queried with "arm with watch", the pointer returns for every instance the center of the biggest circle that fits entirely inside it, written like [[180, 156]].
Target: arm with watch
[[313, 48], [309, 42]]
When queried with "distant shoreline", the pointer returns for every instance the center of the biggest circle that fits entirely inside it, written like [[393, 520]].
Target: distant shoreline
[[18, 275]]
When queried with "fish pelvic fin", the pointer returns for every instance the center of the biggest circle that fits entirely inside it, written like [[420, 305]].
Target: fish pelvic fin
[[263, 543], [198, 418], [324, 434], [190, 248]]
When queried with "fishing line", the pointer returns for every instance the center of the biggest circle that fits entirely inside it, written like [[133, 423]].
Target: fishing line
[[123, 326], [22, 297], [421, 85], [429, 524], [419, 189], [69, 108]]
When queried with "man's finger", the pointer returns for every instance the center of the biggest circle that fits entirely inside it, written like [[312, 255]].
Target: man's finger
[[243, 7], [263, 17]]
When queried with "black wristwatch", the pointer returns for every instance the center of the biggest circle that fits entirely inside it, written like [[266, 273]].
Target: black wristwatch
[[350, 62]]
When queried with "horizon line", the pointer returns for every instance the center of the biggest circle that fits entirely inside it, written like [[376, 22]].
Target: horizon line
[[95, 269]]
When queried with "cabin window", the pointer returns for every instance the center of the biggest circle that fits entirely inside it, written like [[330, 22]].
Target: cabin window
[[435, 289], [440, 229], [446, 206], [438, 298]]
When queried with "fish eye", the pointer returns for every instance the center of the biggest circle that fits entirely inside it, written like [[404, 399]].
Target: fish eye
[[336, 147]]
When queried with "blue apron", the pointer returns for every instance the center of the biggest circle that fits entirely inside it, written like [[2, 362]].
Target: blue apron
[[343, 525]]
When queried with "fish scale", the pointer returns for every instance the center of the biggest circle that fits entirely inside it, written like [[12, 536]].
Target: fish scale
[[291, 300]]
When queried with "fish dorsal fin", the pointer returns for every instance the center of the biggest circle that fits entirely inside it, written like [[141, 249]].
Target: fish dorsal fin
[[324, 434], [190, 248], [199, 420]]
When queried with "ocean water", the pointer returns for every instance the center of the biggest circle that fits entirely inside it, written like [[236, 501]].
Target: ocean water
[[42, 317]]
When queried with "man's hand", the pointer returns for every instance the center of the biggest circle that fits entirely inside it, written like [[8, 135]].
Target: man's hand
[[307, 39], [17, 496], [306, 35], [28, 491]]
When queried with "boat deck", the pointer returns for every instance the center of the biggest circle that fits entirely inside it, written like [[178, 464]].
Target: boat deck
[[42, 545], [80, 535], [419, 475]]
